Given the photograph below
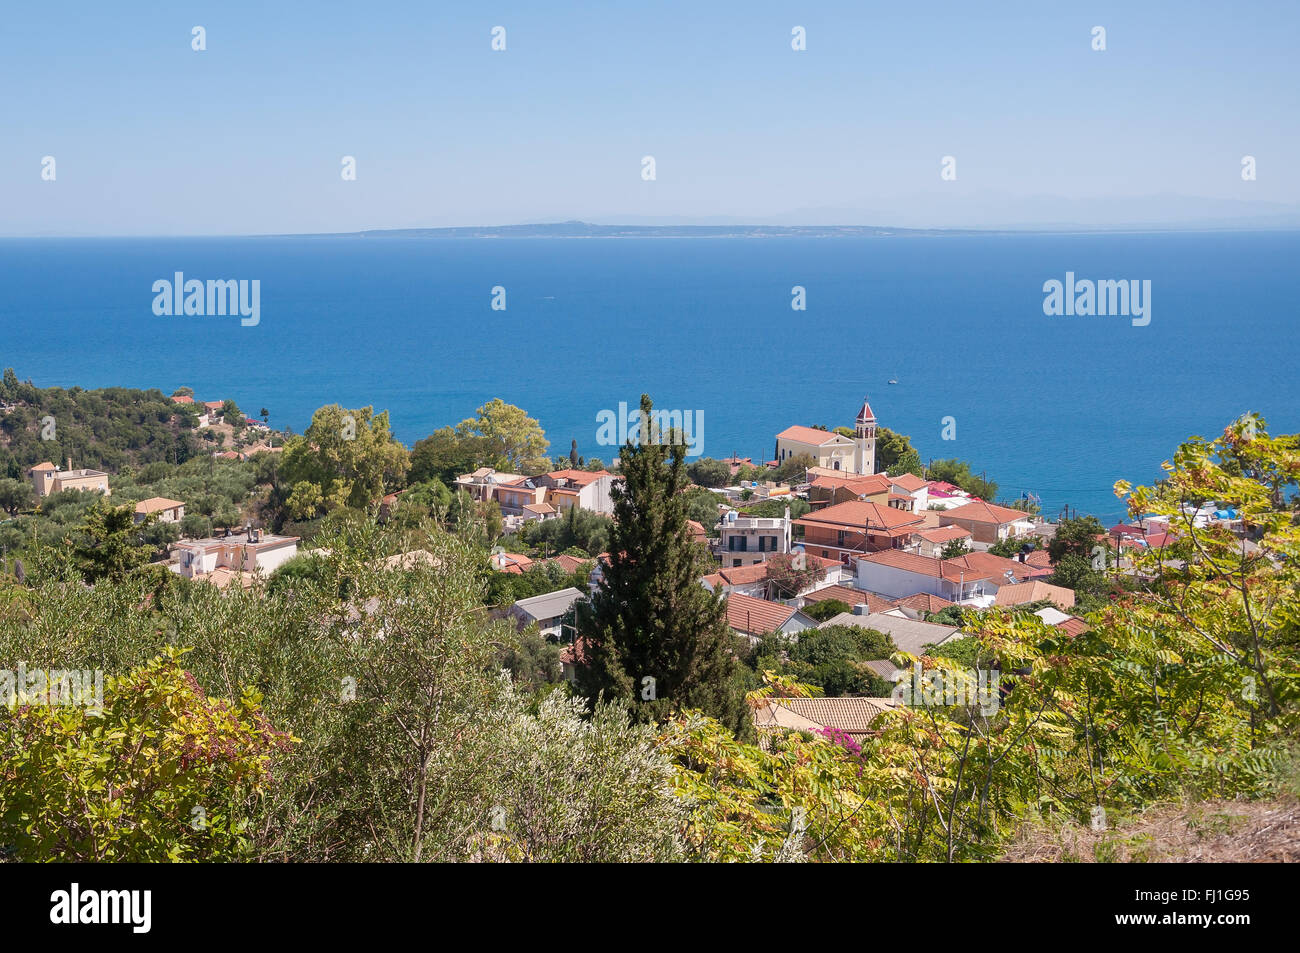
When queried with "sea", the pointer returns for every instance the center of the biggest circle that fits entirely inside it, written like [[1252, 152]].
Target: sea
[[945, 334]]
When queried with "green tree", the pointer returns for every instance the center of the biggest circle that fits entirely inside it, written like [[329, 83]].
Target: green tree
[[160, 773], [346, 458], [709, 472], [909, 462], [108, 546], [793, 468], [891, 447], [954, 548], [445, 455], [825, 609], [16, 495], [520, 438], [650, 618]]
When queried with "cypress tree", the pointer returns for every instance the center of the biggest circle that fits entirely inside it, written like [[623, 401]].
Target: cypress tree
[[651, 618]]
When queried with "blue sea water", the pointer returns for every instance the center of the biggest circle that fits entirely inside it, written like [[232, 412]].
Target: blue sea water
[[1057, 406]]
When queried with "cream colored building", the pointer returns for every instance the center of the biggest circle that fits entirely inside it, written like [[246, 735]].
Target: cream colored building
[[47, 479], [833, 451], [169, 511]]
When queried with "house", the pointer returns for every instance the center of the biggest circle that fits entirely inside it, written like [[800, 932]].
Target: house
[[539, 511], [855, 527], [509, 562], [832, 450], [934, 541], [909, 635], [746, 540], [900, 574], [513, 497], [752, 580], [1008, 571], [1072, 625], [988, 522], [698, 533], [920, 604], [752, 617], [849, 596], [47, 479], [248, 552], [169, 511], [852, 715], [826, 490], [945, 496], [735, 462], [915, 488], [561, 489], [585, 489], [1020, 593], [550, 611], [481, 485]]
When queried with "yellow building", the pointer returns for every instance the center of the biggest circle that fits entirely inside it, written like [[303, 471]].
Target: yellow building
[[834, 451], [47, 479]]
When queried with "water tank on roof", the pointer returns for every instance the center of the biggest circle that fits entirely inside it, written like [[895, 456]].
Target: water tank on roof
[[731, 516]]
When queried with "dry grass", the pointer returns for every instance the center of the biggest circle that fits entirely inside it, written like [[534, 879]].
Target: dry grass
[[1206, 832]]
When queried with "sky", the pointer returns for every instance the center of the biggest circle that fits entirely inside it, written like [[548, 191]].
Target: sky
[[151, 137]]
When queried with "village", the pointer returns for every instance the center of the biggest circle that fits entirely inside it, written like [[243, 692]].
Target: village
[[892, 554]]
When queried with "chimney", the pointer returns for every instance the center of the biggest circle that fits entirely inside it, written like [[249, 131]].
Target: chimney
[[69, 462]]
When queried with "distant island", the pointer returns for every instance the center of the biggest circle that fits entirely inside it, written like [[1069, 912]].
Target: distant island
[[589, 230]]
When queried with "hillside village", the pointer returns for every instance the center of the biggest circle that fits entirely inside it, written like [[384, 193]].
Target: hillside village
[[898, 555]]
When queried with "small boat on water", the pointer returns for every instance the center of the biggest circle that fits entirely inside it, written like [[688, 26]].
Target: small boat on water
[[892, 381]]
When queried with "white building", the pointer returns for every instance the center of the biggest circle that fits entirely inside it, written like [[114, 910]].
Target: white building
[[249, 552], [746, 540], [549, 610]]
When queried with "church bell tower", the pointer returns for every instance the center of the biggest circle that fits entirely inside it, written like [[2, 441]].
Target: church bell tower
[[864, 458]]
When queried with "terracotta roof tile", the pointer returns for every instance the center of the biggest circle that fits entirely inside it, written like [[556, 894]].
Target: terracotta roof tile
[[756, 616]]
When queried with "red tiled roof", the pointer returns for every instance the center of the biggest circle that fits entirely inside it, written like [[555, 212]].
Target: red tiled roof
[[861, 485], [855, 514], [568, 563], [981, 512], [999, 565], [908, 481], [926, 565], [943, 534], [1033, 591], [924, 602], [580, 477], [1073, 625], [851, 597], [756, 616], [182, 399], [156, 504], [851, 714], [808, 435]]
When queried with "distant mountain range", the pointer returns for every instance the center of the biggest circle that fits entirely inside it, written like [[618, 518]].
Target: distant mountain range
[[927, 213]]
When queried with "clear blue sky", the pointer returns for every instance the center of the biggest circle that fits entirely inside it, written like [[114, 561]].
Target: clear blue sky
[[151, 137]]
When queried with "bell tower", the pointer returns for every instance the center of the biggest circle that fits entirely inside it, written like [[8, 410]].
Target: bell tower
[[864, 458]]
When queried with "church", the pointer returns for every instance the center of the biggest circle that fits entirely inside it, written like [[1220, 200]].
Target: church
[[831, 450]]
